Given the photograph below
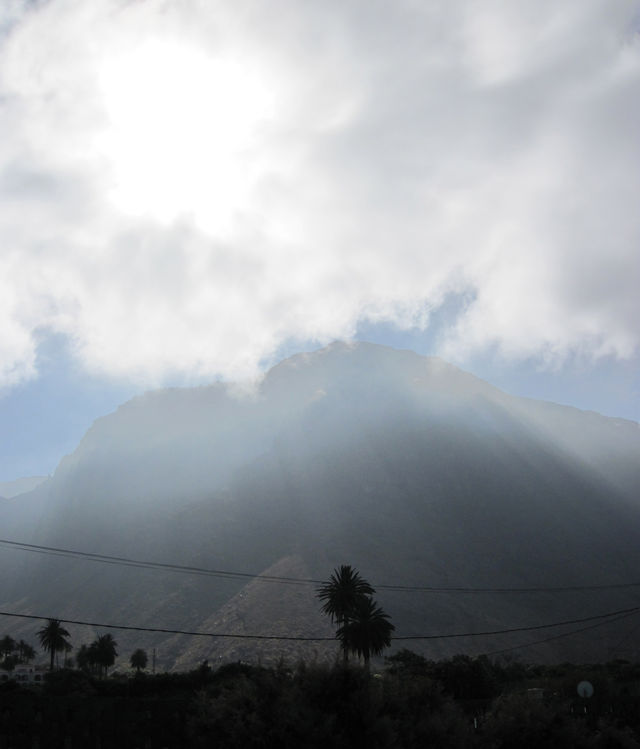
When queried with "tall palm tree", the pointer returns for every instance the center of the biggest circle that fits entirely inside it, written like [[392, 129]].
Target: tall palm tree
[[341, 594], [367, 631], [53, 638]]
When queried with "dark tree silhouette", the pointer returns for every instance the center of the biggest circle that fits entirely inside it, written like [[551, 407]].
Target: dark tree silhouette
[[53, 638], [340, 596], [7, 646], [103, 652], [93, 657], [366, 631], [84, 659], [26, 653], [138, 660], [68, 661]]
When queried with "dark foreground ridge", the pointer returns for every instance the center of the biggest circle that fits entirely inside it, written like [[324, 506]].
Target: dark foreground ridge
[[412, 702]]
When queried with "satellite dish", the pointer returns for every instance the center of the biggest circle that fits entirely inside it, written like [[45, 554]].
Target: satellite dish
[[585, 689]]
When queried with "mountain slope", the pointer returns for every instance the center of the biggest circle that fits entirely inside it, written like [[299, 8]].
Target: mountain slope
[[408, 468], [10, 489]]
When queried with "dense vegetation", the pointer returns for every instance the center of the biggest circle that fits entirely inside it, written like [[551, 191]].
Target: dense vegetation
[[94, 659], [413, 702], [14, 653]]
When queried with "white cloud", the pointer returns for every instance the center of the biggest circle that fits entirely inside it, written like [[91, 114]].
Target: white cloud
[[184, 187]]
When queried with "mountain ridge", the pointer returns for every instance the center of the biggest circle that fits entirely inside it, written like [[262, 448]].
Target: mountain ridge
[[404, 466]]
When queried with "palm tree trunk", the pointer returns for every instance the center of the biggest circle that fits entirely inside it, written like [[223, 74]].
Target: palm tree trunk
[[343, 645], [53, 653]]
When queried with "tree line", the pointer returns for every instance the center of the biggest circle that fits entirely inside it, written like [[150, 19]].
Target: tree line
[[414, 702], [14, 653], [462, 702], [95, 658], [363, 629]]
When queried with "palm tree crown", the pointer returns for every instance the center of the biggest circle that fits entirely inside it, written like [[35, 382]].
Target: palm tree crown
[[53, 638], [103, 651], [367, 631], [343, 590], [138, 660]]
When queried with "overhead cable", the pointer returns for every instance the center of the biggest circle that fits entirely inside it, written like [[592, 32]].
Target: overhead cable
[[163, 630], [562, 634], [228, 574]]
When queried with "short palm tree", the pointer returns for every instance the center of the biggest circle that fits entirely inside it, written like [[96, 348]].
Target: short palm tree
[[53, 638], [68, 661], [367, 631], [340, 595], [104, 652], [138, 660], [84, 659], [7, 646], [25, 652]]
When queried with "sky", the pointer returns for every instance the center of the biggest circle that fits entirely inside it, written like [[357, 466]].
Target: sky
[[192, 189]]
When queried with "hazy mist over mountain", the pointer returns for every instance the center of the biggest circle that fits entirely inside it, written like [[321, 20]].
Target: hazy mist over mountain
[[404, 466], [9, 489]]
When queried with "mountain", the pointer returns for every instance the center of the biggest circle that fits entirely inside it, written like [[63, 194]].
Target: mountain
[[10, 489], [409, 469]]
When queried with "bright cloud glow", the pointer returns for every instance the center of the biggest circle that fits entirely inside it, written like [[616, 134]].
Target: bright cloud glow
[[186, 186], [182, 132]]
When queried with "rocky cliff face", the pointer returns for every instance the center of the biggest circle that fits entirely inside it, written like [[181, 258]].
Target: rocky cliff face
[[411, 470]]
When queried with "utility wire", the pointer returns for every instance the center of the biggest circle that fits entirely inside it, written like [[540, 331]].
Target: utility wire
[[563, 634], [227, 574], [167, 631], [618, 614], [127, 562], [633, 610], [624, 639]]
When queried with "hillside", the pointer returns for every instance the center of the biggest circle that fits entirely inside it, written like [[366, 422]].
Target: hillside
[[10, 489], [408, 468]]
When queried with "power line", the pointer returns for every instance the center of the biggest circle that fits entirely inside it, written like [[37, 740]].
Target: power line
[[624, 639], [563, 634], [128, 562], [228, 574], [618, 614], [633, 610], [540, 589], [167, 631]]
